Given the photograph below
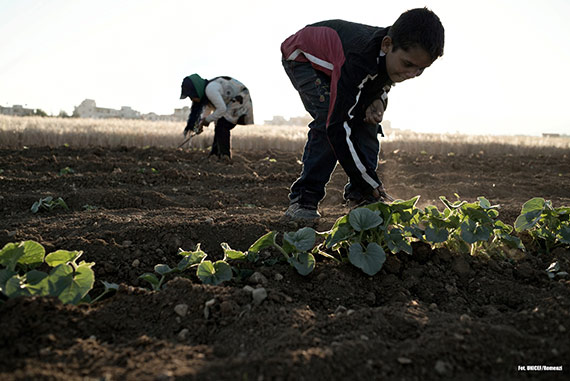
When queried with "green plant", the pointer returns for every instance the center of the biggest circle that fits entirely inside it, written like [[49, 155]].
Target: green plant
[[189, 259], [66, 171], [365, 235], [67, 280], [553, 271], [89, 207], [471, 227], [358, 237], [296, 248], [549, 227], [48, 204], [207, 271]]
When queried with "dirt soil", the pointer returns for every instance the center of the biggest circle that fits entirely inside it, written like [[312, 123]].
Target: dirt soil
[[434, 315]]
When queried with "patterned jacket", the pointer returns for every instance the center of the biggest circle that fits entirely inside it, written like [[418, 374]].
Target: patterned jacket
[[350, 54], [230, 99]]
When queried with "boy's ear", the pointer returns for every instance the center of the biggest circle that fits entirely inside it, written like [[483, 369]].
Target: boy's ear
[[386, 45]]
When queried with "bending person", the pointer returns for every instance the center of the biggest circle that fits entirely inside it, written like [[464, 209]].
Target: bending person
[[222, 100]]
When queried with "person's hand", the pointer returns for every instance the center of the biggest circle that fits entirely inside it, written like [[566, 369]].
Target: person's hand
[[374, 112], [381, 195], [198, 129]]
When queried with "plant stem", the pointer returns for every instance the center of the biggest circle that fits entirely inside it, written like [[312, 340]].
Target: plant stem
[[282, 251]]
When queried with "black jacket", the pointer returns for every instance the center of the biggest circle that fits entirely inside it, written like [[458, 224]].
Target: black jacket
[[350, 54]]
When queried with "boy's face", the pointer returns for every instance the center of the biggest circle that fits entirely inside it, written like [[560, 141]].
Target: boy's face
[[404, 64]]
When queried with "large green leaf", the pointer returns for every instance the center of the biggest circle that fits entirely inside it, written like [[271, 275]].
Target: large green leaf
[[303, 239], [477, 214], [369, 261], [33, 253], [432, 212], [435, 234], [342, 230], [364, 219], [384, 209], [397, 242], [214, 273], [304, 263], [414, 231], [485, 204], [81, 284], [71, 286], [10, 255], [5, 275], [530, 214], [62, 257], [37, 282], [340, 221], [505, 228], [404, 205], [34, 277], [15, 286], [472, 231], [268, 240], [401, 212]]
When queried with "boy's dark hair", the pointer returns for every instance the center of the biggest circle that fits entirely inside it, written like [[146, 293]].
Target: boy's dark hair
[[420, 27]]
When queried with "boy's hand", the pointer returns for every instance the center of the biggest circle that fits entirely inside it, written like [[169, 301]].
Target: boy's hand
[[381, 195], [374, 112]]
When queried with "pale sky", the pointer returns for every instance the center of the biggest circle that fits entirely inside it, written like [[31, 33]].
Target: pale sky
[[505, 69]]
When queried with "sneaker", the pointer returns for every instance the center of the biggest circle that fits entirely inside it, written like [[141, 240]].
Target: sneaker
[[298, 212]]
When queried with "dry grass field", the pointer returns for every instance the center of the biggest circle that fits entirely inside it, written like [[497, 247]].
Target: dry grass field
[[36, 131]]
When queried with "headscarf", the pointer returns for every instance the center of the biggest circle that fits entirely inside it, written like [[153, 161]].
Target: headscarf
[[193, 86]]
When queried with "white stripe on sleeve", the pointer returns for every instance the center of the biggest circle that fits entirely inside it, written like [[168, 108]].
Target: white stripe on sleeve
[[348, 131], [312, 58]]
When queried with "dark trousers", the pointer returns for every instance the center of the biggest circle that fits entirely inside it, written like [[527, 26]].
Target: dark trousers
[[221, 144], [319, 160]]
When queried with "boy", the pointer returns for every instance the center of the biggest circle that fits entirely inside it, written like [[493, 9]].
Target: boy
[[343, 72]]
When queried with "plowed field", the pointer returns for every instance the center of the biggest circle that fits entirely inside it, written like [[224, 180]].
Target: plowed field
[[438, 315]]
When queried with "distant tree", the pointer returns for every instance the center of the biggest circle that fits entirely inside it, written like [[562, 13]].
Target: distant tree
[[40, 112], [63, 114]]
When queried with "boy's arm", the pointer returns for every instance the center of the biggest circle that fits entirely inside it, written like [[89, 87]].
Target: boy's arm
[[339, 130]]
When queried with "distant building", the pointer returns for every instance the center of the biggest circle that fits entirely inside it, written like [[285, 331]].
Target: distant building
[[88, 109], [550, 135], [17, 110], [182, 113]]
